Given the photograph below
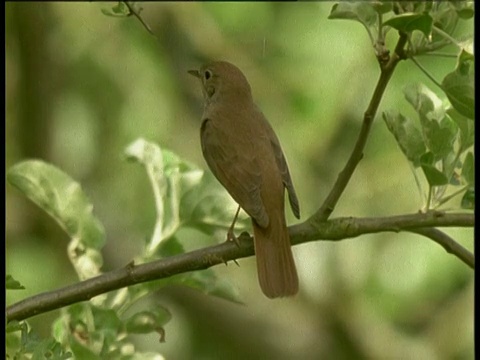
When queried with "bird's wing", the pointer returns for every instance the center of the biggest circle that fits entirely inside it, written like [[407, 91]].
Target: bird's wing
[[237, 171], [283, 167]]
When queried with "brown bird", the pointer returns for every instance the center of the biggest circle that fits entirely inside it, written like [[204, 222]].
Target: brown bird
[[244, 154]]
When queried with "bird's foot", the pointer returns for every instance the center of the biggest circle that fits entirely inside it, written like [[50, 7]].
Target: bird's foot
[[231, 237]]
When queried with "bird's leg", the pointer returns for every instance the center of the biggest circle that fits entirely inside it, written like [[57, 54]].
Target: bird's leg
[[230, 235]]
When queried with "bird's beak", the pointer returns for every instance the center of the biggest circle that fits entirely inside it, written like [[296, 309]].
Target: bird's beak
[[194, 73]]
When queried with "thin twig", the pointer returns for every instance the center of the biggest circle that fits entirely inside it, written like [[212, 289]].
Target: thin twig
[[425, 71], [447, 36], [335, 229], [137, 15]]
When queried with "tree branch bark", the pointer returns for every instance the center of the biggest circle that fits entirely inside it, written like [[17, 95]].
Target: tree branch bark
[[335, 229]]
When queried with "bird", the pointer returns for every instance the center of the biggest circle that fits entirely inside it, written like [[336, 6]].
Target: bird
[[243, 152]]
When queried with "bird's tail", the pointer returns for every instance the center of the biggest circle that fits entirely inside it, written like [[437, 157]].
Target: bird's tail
[[276, 269]]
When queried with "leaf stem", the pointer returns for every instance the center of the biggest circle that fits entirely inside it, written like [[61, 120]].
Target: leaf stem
[[440, 54], [451, 196], [429, 198], [419, 185], [425, 71], [137, 15], [447, 36]]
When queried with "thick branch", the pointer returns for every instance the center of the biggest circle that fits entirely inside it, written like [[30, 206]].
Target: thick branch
[[344, 177], [335, 229], [349, 227]]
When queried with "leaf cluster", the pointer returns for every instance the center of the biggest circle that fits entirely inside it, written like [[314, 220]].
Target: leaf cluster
[[184, 196], [440, 142]]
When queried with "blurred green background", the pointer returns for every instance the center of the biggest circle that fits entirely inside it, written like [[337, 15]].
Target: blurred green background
[[81, 86]]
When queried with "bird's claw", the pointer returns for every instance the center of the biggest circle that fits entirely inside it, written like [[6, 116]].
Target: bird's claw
[[231, 237]]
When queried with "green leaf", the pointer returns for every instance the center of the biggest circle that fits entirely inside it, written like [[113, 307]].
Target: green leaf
[[468, 169], [167, 173], [145, 322], [382, 7], [409, 22], [468, 200], [81, 351], [208, 207], [208, 282], [119, 10], [63, 199], [466, 127], [59, 196], [451, 166], [440, 136], [418, 7], [439, 131], [466, 58], [184, 194], [170, 247], [15, 325], [12, 284], [459, 85], [408, 137], [464, 9], [33, 347], [427, 158], [358, 11], [460, 91], [434, 176], [423, 100], [106, 319]]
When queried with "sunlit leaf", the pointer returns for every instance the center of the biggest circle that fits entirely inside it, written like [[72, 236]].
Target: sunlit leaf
[[440, 136], [63, 199], [423, 100], [408, 136], [208, 207], [357, 11], [184, 195], [409, 22], [439, 131], [165, 172]]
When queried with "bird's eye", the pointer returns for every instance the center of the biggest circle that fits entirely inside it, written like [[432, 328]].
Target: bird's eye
[[208, 74]]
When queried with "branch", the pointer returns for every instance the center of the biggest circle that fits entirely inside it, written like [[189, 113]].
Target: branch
[[387, 68], [450, 245], [335, 229]]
